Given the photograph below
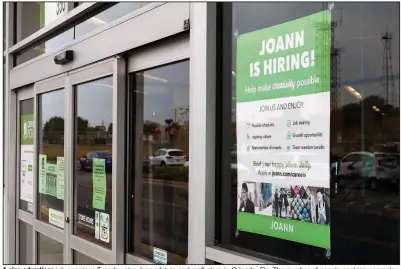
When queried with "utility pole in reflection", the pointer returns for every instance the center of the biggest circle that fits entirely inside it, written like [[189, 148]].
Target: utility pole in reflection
[[387, 79]]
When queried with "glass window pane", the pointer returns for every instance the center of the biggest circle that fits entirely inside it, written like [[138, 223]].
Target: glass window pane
[[54, 43], [25, 243], [51, 158], [114, 12], [26, 155], [363, 199], [49, 251], [29, 19], [93, 176], [80, 258], [32, 16], [159, 183]]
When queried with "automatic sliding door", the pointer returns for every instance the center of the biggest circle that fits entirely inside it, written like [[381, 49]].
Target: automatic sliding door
[[159, 182]]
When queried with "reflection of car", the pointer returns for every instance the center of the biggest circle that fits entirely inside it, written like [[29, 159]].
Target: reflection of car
[[164, 157], [85, 162], [377, 166]]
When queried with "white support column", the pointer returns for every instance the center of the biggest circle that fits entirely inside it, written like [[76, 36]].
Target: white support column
[[118, 207], [69, 166], [10, 110], [202, 100]]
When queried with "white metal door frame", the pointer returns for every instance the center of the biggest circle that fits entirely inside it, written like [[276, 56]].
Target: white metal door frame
[[23, 94]]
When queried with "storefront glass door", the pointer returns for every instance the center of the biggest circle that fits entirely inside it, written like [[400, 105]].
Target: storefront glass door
[[67, 169]]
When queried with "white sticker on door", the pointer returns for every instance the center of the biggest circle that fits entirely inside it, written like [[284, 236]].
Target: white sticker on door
[[97, 224], [56, 218], [105, 227]]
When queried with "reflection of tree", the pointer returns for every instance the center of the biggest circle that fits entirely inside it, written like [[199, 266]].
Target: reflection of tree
[[172, 130], [379, 126], [53, 130], [82, 125], [110, 129], [151, 128]]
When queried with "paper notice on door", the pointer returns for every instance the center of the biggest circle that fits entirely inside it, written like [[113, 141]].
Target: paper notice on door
[[51, 179], [97, 224], [42, 173], [60, 178], [105, 227], [99, 183]]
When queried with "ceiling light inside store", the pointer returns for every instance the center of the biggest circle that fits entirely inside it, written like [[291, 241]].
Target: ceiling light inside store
[[97, 21], [375, 109], [155, 78], [103, 85], [352, 91]]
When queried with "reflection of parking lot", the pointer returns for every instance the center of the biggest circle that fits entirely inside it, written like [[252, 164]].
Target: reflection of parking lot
[[84, 187], [165, 215], [367, 217], [164, 210]]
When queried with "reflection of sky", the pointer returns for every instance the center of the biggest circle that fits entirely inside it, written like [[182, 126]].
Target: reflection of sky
[[31, 24], [52, 105], [165, 100], [95, 101], [358, 35], [115, 12]]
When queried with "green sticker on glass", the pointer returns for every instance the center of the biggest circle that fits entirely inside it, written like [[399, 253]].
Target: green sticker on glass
[[27, 129], [60, 178], [42, 173], [99, 183]]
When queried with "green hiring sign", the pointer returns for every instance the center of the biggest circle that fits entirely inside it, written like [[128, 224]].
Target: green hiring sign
[[274, 65], [289, 59]]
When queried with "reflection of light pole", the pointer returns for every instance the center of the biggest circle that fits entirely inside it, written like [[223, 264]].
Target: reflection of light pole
[[362, 123], [358, 96]]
